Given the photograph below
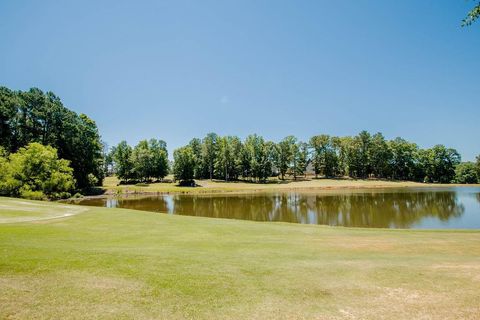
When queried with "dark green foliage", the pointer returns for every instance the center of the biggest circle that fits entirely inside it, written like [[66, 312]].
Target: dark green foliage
[[159, 166], [467, 172], [301, 159], [439, 163], [285, 153], [184, 165], [324, 155], [380, 157], [478, 166], [209, 153], [35, 172], [260, 156], [35, 116], [361, 156], [196, 145], [228, 161], [404, 160], [148, 160], [122, 159], [8, 110]]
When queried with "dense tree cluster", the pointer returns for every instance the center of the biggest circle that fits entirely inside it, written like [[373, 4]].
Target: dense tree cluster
[[184, 165], [360, 156], [226, 158], [466, 172], [147, 160], [35, 172], [35, 116]]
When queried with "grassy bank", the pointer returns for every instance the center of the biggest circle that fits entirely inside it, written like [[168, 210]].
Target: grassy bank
[[100, 263], [111, 186]]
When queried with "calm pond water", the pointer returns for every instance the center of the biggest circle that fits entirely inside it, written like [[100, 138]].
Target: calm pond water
[[456, 207]]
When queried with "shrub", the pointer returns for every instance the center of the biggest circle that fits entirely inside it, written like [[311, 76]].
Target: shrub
[[35, 172], [32, 195], [466, 172]]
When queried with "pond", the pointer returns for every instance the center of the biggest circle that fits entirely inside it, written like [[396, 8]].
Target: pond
[[419, 208]]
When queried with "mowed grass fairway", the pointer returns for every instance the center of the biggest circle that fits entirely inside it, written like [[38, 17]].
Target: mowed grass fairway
[[104, 263]]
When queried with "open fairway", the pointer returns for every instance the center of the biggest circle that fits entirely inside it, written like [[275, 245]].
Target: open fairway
[[123, 264]]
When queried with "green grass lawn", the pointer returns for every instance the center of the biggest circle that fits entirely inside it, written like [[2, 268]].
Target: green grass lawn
[[101, 263]]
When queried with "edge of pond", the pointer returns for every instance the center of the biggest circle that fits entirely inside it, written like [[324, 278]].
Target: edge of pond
[[111, 193]]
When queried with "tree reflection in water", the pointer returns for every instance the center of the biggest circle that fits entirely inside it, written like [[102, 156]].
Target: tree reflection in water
[[394, 210], [362, 209]]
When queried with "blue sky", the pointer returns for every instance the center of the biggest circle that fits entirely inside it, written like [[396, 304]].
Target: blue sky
[[179, 69]]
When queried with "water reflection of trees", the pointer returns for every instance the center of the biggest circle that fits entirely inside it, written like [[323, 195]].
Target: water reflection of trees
[[156, 204], [400, 210]]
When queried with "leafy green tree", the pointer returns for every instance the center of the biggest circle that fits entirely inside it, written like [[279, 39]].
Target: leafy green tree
[[35, 116], [478, 166], [209, 153], [364, 141], [85, 152], [351, 153], [472, 15], [301, 159], [184, 165], [341, 156], [228, 160], [439, 164], [466, 172], [159, 157], [142, 160], [404, 159], [318, 144], [324, 155], [284, 155], [196, 145], [380, 156], [224, 158], [236, 149], [259, 156], [150, 160], [8, 110], [35, 171], [269, 151], [122, 157], [107, 159], [4, 172]]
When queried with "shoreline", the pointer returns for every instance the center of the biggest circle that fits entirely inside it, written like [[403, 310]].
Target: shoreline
[[207, 187]]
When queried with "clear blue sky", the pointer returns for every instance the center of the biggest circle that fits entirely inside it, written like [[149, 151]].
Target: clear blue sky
[[179, 69]]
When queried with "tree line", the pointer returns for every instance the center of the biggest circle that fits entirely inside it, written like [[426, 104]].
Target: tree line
[[146, 161], [47, 150], [37, 116], [361, 156]]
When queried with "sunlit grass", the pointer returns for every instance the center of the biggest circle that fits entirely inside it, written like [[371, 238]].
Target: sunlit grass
[[123, 264]]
